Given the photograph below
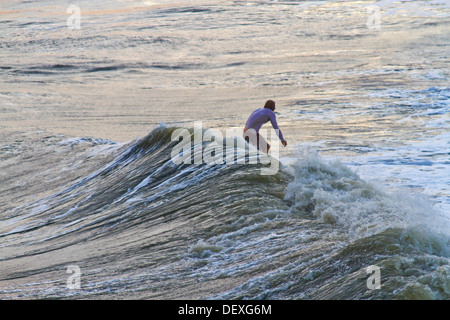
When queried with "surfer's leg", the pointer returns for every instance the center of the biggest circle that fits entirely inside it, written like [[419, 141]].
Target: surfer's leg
[[251, 136], [262, 143]]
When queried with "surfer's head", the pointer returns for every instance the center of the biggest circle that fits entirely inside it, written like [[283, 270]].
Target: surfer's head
[[270, 104]]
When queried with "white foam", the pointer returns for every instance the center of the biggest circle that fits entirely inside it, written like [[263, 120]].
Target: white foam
[[334, 193], [421, 167]]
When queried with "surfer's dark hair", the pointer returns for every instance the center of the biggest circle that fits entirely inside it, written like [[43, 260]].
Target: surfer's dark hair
[[270, 104]]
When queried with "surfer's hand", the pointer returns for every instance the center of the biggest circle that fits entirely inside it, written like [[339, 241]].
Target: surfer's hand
[[284, 142]]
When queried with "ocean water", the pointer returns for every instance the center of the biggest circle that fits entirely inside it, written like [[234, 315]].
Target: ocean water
[[94, 207]]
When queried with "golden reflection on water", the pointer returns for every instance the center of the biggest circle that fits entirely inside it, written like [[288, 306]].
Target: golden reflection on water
[[202, 66]]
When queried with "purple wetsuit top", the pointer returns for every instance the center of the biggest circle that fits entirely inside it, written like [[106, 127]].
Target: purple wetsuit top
[[261, 116]]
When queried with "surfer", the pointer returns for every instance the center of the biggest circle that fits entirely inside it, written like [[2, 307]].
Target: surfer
[[256, 120]]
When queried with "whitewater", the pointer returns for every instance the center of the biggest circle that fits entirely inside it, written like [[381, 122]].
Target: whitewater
[[93, 205]]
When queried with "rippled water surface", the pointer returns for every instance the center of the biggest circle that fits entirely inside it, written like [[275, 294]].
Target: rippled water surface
[[87, 177]]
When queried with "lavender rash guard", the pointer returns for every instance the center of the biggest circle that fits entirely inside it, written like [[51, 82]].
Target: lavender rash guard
[[261, 116]]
